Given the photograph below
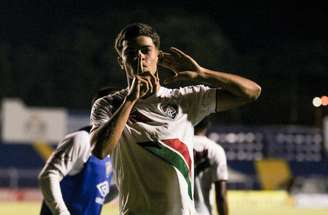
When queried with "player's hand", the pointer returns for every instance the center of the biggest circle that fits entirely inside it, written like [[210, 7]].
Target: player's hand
[[139, 87], [143, 84], [152, 80], [182, 65]]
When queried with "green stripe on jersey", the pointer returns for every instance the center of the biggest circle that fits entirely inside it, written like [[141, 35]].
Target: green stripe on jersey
[[171, 157]]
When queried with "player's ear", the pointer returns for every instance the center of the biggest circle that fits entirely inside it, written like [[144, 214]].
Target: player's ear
[[120, 62]]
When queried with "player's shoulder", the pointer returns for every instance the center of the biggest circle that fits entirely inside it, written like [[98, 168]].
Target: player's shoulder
[[81, 136], [201, 139], [208, 144], [77, 140], [189, 89], [117, 96]]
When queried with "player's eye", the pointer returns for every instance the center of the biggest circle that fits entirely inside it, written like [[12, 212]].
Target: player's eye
[[146, 50]]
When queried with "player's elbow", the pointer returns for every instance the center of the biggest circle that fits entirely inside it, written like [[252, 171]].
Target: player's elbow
[[103, 143], [99, 153], [100, 148], [97, 148], [253, 92]]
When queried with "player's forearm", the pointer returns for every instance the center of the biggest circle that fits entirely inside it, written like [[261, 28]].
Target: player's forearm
[[221, 197], [106, 137], [235, 84], [50, 188], [222, 205]]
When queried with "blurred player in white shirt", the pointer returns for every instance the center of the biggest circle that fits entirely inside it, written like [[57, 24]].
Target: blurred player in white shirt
[[210, 169]]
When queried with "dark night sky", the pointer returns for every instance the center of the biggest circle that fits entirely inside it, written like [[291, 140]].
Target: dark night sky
[[264, 29], [250, 26]]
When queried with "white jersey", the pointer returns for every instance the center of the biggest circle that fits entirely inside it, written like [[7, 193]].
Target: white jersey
[[210, 166], [153, 162]]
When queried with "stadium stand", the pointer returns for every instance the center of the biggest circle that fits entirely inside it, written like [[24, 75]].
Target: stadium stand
[[298, 148]]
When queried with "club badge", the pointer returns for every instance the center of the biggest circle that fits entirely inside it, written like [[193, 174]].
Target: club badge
[[169, 110]]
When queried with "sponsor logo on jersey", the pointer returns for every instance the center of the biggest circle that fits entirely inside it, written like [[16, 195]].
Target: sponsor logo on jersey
[[103, 188], [170, 110]]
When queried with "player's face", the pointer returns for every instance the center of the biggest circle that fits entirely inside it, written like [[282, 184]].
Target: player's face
[[141, 49]]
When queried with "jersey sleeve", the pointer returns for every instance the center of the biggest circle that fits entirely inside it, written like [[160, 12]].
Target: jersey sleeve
[[219, 165], [70, 154], [69, 157], [103, 109], [198, 101], [100, 113]]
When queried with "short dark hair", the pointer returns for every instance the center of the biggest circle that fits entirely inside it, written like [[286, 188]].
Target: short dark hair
[[135, 30], [205, 123]]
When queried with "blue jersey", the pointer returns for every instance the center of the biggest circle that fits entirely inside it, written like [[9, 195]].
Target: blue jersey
[[84, 193]]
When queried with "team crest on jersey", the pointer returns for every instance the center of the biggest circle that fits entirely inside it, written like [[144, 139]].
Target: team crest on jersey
[[170, 110], [103, 188], [109, 168]]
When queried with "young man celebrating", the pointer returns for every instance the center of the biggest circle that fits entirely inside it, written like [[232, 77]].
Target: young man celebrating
[[148, 129]]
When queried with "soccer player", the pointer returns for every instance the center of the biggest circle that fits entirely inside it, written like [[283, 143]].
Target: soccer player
[[148, 128], [74, 180], [210, 168]]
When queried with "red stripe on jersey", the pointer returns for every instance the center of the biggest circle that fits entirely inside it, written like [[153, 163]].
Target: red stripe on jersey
[[181, 148]]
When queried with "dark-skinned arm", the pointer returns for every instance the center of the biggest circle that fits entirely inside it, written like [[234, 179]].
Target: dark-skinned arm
[[221, 197]]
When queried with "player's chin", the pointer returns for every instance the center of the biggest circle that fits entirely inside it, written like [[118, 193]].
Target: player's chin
[[148, 70]]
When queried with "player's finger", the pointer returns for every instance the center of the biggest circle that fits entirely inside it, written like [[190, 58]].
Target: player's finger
[[178, 52], [140, 68], [143, 86], [165, 58], [151, 78], [150, 84]]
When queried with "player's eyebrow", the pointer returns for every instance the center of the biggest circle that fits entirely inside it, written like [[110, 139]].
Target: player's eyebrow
[[136, 47]]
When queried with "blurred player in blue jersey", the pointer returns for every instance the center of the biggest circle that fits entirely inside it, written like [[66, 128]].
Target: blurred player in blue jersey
[[210, 169], [74, 180]]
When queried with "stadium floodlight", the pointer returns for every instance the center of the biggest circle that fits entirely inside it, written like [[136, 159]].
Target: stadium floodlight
[[316, 102]]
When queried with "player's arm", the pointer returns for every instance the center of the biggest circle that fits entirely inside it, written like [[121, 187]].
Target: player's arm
[[50, 188], [221, 197], [106, 136], [58, 165], [234, 89]]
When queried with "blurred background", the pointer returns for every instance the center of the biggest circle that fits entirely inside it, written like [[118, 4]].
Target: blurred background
[[54, 55]]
